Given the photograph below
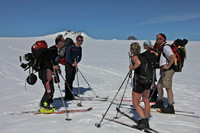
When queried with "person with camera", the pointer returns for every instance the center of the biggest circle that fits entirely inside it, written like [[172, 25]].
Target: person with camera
[[48, 67]]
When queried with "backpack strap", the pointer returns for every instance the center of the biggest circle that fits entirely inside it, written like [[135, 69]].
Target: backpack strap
[[164, 52]]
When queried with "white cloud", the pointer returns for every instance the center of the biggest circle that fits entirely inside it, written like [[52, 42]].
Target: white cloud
[[171, 18]]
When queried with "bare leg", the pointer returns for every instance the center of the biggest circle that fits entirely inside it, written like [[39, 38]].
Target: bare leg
[[160, 91], [145, 97], [170, 96], [136, 98]]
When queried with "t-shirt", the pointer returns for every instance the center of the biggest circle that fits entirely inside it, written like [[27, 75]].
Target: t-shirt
[[168, 52]]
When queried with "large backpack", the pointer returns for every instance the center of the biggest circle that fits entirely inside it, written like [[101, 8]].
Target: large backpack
[[178, 48], [148, 64], [63, 50], [38, 53]]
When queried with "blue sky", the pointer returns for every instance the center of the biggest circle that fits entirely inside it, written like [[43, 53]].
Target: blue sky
[[102, 19]]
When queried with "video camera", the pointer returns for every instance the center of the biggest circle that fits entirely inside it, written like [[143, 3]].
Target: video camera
[[31, 61]]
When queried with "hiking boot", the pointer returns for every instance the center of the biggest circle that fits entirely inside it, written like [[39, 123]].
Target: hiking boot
[[159, 104], [143, 123], [169, 109]]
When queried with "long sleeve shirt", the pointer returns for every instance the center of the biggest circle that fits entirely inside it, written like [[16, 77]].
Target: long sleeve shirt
[[73, 54]]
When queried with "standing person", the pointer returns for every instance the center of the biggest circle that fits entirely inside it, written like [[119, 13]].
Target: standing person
[[73, 57], [47, 67], [147, 45], [153, 91], [167, 58], [139, 89]]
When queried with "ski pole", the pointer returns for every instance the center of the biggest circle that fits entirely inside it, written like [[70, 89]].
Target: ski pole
[[116, 117], [68, 119], [66, 84], [99, 124], [79, 104], [83, 77], [87, 83], [130, 62], [153, 84]]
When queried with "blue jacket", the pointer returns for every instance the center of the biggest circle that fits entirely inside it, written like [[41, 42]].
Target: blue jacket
[[73, 53]]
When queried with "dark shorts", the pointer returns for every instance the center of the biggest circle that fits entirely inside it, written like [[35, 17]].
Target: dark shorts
[[139, 88]]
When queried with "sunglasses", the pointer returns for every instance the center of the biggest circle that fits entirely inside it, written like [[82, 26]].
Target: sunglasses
[[79, 40], [158, 38]]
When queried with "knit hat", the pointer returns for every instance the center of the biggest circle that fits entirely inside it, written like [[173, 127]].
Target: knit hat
[[162, 36], [148, 43]]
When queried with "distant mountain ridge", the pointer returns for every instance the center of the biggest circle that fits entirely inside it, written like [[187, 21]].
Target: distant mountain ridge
[[70, 34]]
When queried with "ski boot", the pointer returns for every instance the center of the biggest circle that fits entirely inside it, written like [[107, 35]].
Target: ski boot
[[46, 108], [169, 109], [159, 104], [143, 123]]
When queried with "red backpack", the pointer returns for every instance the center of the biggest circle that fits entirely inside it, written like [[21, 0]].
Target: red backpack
[[38, 51], [39, 48]]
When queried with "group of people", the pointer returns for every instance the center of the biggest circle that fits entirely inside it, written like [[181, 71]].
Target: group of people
[[49, 66], [50, 69], [165, 58]]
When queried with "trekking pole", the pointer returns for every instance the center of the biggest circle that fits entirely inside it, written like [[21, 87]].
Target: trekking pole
[[116, 117], [153, 84], [68, 119], [130, 62], [79, 104], [99, 124], [87, 83]]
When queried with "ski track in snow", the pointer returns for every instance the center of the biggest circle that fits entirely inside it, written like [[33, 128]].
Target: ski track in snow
[[105, 73]]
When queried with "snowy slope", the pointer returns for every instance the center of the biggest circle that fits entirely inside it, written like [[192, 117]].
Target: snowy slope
[[104, 64]]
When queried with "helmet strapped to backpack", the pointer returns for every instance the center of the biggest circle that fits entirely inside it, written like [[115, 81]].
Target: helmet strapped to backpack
[[31, 79]]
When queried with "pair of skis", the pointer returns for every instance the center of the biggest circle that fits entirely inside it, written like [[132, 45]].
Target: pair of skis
[[55, 112], [177, 112], [146, 130]]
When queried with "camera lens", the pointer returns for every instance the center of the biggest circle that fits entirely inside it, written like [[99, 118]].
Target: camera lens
[[28, 57]]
